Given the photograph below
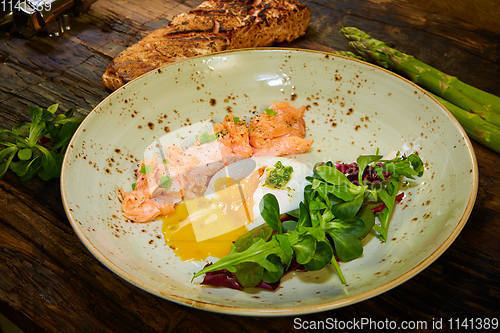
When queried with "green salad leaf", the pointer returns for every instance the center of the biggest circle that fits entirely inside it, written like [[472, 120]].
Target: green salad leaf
[[249, 274], [304, 246], [322, 256], [333, 176], [256, 253], [270, 212], [273, 276], [264, 232], [348, 209], [363, 161]]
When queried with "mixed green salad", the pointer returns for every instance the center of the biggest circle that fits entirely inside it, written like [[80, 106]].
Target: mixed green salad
[[342, 204]]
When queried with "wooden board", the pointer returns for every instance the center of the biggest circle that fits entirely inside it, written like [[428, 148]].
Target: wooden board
[[49, 281]]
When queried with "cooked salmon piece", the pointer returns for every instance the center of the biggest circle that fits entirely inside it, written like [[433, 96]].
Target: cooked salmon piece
[[139, 207], [149, 198], [213, 26], [185, 173], [280, 130], [233, 133], [285, 145]]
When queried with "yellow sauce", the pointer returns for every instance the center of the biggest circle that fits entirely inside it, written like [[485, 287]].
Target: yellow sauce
[[223, 182], [207, 226], [181, 238]]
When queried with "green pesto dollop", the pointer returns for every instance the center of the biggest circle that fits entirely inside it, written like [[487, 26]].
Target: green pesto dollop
[[279, 176]]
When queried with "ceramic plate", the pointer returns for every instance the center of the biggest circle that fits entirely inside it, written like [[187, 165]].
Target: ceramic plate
[[352, 109]]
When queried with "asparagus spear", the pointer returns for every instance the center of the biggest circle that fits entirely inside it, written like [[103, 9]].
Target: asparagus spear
[[486, 105], [477, 128]]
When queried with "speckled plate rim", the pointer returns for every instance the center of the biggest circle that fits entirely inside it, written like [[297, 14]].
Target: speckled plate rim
[[271, 311]]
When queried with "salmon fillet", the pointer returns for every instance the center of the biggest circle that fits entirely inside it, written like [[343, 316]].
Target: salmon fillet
[[279, 131], [213, 26], [185, 173], [142, 204], [233, 133], [284, 145]]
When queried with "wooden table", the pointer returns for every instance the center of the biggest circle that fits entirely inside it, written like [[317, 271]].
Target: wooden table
[[49, 281]]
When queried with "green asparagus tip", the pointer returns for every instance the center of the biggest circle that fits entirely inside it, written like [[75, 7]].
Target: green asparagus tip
[[369, 53], [350, 55], [354, 33]]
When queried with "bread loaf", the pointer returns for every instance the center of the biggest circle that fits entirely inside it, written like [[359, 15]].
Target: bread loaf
[[213, 26]]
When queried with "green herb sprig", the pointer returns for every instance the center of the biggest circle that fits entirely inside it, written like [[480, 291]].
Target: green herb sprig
[[270, 112], [37, 147], [329, 224]]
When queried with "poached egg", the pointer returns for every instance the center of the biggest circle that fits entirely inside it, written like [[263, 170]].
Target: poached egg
[[209, 224]]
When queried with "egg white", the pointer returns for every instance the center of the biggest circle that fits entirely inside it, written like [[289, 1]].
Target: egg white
[[289, 197]]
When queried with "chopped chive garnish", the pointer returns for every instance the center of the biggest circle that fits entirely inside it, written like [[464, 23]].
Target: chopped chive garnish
[[205, 138], [221, 133], [145, 169], [270, 112], [165, 182]]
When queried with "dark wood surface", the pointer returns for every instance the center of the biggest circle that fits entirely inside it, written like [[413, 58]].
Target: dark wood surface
[[49, 281]]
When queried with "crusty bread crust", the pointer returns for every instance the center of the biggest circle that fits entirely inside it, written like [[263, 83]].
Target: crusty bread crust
[[215, 25]]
